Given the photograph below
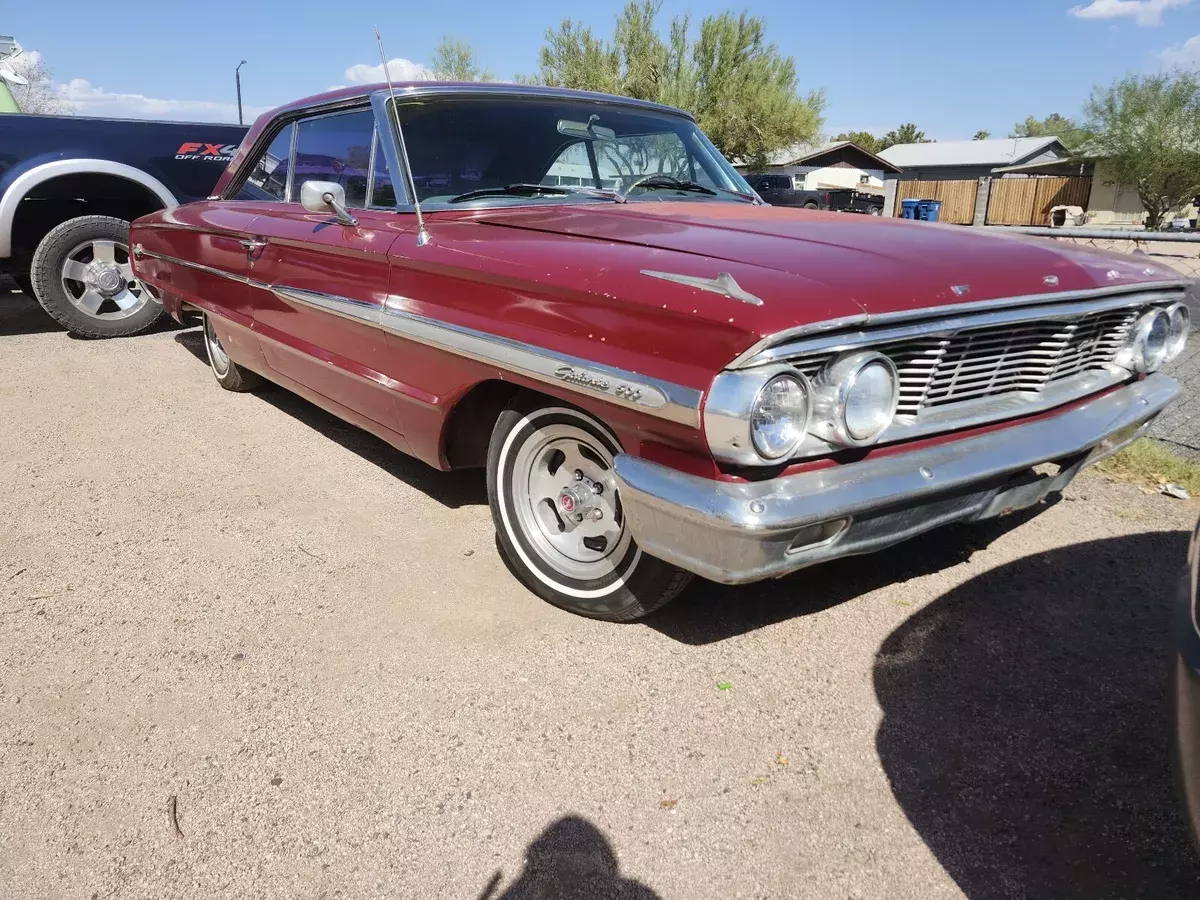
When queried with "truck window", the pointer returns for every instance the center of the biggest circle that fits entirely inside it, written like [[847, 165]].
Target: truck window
[[337, 148], [268, 174]]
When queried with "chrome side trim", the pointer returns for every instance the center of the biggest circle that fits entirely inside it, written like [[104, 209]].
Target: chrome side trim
[[27, 181], [142, 253], [757, 354], [662, 399], [724, 284]]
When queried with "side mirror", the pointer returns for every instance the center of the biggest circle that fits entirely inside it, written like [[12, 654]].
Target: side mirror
[[323, 196]]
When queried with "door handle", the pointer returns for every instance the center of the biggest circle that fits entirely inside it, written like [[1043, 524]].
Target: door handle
[[252, 246]]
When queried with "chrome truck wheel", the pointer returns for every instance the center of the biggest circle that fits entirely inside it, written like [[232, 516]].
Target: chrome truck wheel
[[82, 277], [559, 519]]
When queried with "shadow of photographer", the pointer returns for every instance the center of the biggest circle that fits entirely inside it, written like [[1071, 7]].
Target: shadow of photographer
[[570, 860]]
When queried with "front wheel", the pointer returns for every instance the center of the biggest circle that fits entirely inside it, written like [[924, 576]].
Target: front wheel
[[559, 519], [82, 277], [229, 374]]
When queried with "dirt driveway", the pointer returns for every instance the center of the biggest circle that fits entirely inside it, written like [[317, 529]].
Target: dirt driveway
[[240, 611]]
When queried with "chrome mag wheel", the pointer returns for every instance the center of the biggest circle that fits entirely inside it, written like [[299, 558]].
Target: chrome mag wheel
[[98, 280], [217, 357], [565, 500]]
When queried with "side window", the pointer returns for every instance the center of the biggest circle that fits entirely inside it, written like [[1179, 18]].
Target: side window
[[336, 148], [384, 192], [268, 175]]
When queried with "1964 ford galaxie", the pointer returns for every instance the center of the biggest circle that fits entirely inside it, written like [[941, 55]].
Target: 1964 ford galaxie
[[662, 375]]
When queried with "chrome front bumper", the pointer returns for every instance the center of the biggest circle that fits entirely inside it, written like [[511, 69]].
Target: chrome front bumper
[[738, 532]]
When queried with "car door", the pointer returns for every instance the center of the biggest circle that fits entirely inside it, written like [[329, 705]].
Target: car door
[[317, 286]]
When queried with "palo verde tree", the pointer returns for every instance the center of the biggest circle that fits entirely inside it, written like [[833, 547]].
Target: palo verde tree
[[454, 60], [1147, 128], [742, 90]]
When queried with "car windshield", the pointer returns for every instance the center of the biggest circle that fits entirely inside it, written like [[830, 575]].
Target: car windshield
[[479, 145]]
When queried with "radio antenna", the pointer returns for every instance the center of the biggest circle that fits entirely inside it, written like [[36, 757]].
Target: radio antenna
[[422, 233]]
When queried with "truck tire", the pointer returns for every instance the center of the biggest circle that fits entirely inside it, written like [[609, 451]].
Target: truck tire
[[81, 276], [558, 517], [811, 205], [875, 211]]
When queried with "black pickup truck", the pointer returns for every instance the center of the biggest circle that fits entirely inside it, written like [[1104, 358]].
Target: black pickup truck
[[70, 186], [778, 190]]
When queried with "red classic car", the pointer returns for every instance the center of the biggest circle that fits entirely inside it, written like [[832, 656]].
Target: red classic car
[[662, 375]]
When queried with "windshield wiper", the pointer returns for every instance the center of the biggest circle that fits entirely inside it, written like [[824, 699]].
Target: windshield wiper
[[679, 184], [535, 190]]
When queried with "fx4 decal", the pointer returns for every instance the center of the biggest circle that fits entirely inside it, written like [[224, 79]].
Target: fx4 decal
[[213, 152]]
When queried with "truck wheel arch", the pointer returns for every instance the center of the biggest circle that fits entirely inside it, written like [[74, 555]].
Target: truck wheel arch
[[28, 181]]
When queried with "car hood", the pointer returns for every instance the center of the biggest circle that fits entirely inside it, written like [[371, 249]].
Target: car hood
[[837, 260]]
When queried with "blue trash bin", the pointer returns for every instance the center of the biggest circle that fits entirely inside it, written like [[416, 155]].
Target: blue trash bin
[[929, 210], [908, 208]]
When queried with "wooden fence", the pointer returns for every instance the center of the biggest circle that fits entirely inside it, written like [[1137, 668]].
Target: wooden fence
[[1027, 201], [958, 198]]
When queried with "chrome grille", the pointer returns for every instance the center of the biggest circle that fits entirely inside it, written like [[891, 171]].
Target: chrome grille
[[938, 370]]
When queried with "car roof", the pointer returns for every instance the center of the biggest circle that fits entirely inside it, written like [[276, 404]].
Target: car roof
[[405, 89]]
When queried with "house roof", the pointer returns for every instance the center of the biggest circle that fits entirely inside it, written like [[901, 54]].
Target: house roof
[[1004, 152], [807, 154]]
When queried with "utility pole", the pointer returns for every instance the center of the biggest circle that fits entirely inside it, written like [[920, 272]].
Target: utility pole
[[237, 75]]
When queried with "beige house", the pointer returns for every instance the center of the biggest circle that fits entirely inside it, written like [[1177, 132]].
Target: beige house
[[1113, 203]]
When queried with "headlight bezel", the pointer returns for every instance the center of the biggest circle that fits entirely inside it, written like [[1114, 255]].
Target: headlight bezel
[[831, 390], [1140, 333], [1178, 312], [729, 408], [802, 382]]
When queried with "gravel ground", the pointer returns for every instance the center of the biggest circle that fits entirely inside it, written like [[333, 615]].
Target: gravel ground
[[238, 610]]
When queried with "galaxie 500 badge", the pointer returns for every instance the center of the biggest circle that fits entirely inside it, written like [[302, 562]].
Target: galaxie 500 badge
[[630, 392]]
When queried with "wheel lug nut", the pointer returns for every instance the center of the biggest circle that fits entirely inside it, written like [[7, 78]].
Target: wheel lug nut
[[578, 475], [578, 517], [597, 514]]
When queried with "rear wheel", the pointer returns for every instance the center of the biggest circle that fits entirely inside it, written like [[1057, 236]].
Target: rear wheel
[[810, 205], [229, 374], [559, 519], [82, 277], [876, 211]]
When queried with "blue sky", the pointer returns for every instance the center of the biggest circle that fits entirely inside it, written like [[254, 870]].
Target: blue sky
[[951, 66]]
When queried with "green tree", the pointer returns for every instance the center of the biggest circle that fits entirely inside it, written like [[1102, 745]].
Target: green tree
[[454, 60], [908, 133], [864, 139], [1066, 130], [742, 90], [982, 135], [1148, 129]]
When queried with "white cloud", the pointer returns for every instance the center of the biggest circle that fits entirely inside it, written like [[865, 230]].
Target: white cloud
[[1147, 13], [89, 100], [1185, 55], [400, 69]]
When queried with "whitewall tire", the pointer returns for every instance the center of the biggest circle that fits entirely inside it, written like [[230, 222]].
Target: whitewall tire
[[558, 515]]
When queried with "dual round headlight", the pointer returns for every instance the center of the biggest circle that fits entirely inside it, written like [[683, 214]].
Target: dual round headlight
[[852, 402], [1158, 335]]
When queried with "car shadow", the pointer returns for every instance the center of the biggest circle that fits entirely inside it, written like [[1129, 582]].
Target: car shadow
[[707, 612], [21, 314], [1025, 727], [570, 860], [462, 487]]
